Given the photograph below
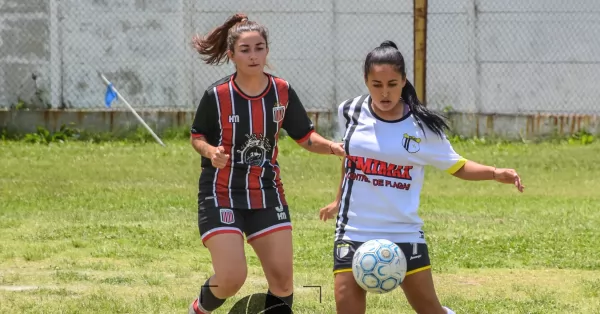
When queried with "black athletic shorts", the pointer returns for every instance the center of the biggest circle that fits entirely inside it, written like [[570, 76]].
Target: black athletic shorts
[[254, 223], [417, 256]]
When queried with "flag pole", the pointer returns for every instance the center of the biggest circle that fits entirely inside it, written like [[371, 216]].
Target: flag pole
[[107, 82]]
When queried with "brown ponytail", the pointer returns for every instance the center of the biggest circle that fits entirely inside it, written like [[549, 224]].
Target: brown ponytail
[[215, 45]]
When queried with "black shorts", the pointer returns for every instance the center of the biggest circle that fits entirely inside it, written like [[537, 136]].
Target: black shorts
[[254, 223], [417, 256]]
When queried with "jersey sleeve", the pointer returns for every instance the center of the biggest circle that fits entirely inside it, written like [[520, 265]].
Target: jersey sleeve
[[438, 152], [206, 118], [342, 122], [296, 121]]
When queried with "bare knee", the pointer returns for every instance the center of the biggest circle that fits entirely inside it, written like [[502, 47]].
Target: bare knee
[[276, 257], [420, 292], [281, 281], [228, 283], [424, 301], [346, 292], [349, 297], [229, 263]]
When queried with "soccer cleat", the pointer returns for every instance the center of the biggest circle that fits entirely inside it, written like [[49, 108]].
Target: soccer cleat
[[195, 308]]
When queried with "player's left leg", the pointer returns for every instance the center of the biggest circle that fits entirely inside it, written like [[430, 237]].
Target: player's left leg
[[420, 293], [418, 283], [269, 232]]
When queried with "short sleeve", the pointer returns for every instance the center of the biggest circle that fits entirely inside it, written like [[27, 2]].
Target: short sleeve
[[206, 118], [342, 121], [438, 152], [296, 121]]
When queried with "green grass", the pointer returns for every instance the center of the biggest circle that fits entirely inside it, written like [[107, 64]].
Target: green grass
[[111, 228]]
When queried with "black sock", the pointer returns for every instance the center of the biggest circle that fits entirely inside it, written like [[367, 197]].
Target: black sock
[[274, 304], [207, 299]]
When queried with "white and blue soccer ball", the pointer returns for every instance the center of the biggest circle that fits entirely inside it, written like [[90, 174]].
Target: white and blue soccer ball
[[379, 266]]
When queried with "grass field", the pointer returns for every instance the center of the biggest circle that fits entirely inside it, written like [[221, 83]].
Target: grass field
[[111, 228]]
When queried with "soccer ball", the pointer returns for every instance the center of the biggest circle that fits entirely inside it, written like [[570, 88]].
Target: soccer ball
[[379, 266]]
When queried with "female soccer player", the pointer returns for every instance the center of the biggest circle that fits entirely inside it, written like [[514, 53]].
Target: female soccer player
[[389, 137], [235, 130]]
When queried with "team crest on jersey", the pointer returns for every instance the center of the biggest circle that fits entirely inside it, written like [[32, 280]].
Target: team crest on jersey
[[411, 143], [278, 112], [227, 216], [254, 151], [342, 250]]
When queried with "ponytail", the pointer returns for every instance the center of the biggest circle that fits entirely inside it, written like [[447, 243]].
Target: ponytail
[[436, 123], [214, 46]]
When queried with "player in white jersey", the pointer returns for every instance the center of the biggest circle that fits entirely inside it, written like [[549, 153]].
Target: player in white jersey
[[389, 137]]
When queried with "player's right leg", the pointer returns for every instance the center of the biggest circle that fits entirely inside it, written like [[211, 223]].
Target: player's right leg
[[220, 229], [350, 298]]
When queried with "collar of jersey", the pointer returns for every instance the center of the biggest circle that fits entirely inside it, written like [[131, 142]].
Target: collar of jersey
[[261, 95], [370, 107]]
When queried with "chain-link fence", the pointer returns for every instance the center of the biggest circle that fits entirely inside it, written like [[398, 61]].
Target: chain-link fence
[[511, 56], [482, 55]]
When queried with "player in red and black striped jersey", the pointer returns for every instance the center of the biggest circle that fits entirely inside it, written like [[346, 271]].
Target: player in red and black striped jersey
[[235, 130], [247, 127]]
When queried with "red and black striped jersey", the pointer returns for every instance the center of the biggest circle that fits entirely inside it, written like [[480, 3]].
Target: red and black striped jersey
[[248, 129]]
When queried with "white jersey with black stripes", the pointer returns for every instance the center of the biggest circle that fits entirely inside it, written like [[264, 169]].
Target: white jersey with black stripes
[[384, 170]]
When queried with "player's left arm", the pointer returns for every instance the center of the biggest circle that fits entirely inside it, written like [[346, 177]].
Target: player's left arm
[[473, 171], [299, 127], [317, 144], [440, 154]]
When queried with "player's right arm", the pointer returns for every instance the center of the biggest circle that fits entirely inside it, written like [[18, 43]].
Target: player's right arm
[[205, 125], [331, 210]]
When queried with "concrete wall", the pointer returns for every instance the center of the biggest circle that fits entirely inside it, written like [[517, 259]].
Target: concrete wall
[[483, 55], [120, 122], [25, 48]]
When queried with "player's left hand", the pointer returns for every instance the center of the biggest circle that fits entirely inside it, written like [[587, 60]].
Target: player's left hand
[[509, 176], [337, 149]]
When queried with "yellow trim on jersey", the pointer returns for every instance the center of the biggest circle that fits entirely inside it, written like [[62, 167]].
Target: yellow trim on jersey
[[343, 270], [417, 270], [459, 164]]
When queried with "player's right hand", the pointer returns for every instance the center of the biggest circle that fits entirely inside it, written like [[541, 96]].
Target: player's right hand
[[219, 158], [329, 211]]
